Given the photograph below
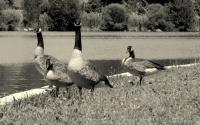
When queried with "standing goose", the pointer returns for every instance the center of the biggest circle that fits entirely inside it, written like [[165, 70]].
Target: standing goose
[[54, 77], [80, 70], [137, 67], [42, 61]]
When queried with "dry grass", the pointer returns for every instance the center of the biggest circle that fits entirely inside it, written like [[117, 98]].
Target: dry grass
[[169, 97]]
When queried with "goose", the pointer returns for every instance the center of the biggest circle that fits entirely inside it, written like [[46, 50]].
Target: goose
[[41, 64], [137, 67], [82, 73], [55, 78]]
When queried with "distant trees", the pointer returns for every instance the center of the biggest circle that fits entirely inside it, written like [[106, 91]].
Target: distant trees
[[158, 1], [32, 11], [114, 18], [181, 14], [158, 18], [197, 7], [10, 19], [63, 13], [93, 6]]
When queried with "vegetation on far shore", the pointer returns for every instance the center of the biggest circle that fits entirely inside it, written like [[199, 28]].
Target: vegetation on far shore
[[169, 97], [101, 15]]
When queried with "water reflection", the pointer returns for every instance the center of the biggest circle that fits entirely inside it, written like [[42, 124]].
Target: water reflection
[[24, 76]]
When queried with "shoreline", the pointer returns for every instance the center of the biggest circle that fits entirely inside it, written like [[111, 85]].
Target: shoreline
[[33, 92], [108, 34]]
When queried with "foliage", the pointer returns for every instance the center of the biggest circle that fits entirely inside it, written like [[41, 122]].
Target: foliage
[[136, 5], [93, 6], [44, 20], [10, 19], [136, 22], [91, 20], [197, 6], [107, 2], [32, 11], [63, 13], [181, 14], [158, 1], [114, 18], [158, 18], [3, 5]]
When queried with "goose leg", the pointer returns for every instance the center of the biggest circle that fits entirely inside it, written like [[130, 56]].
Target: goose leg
[[80, 90], [131, 82], [92, 90], [141, 78], [57, 91]]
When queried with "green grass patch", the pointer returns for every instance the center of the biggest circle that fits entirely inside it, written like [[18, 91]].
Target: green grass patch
[[170, 97]]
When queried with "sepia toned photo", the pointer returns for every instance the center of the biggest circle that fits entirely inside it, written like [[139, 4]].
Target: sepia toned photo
[[99, 62]]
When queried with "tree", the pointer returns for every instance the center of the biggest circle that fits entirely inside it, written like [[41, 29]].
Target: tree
[[114, 18], [158, 1], [32, 11], [3, 4], [107, 2], [158, 18], [197, 7], [182, 14], [63, 13], [93, 6]]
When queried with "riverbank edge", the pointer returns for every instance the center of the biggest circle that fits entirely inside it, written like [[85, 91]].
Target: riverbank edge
[[33, 92], [107, 34]]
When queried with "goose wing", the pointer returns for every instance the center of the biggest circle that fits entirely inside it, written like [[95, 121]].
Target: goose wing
[[60, 68], [89, 72], [134, 65], [150, 64]]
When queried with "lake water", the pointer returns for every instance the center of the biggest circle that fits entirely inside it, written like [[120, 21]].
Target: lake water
[[17, 73]]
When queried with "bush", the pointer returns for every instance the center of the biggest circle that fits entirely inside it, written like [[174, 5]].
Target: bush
[[182, 14], [93, 6], [114, 18], [44, 20], [136, 22], [158, 18], [91, 20], [63, 13], [3, 4], [32, 11], [11, 19]]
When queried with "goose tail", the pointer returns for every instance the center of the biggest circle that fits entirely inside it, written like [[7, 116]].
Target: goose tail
[[158, 66], [107, 82]]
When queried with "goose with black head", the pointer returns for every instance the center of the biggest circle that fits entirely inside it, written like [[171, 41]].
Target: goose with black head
[[83, 73], [41, 59], [138, 67]]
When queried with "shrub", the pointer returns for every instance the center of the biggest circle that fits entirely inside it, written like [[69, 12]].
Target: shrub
[[11, 19], [44, 20], [182, 14], [91, 20], [136, 22], [63, 13], [114, 18], [32, 11], [158, 18], [3, 4], [93, 6]]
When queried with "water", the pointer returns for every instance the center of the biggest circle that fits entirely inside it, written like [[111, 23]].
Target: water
[[17, 73]]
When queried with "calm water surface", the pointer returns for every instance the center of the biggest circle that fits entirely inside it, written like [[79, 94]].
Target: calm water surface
[[17, 73]]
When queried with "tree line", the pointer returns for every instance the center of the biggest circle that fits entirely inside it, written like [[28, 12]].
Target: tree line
[[102, 15]]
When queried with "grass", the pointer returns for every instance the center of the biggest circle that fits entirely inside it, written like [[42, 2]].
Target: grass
[[170, 97]]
